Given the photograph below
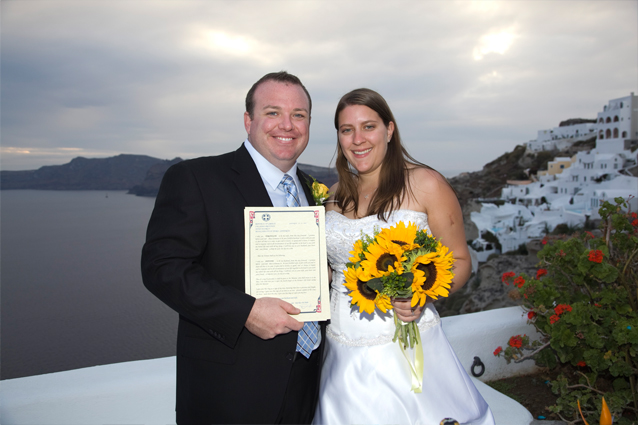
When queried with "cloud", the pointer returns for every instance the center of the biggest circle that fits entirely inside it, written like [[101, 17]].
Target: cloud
[[495, 42], [169, 79]]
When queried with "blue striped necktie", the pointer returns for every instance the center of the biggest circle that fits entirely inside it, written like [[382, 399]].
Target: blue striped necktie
[[309, 334]]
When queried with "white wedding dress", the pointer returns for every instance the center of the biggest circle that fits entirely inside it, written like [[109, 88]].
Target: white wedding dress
[[365, 378]]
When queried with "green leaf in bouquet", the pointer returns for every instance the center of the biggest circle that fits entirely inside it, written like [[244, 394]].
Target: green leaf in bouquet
[[376, 284], [409, 277]]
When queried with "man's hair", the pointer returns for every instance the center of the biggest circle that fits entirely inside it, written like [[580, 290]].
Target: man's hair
[[280, 77]]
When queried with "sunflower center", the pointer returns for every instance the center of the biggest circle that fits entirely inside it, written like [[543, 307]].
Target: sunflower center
[[365, 290], [385, 261], [430, 274]]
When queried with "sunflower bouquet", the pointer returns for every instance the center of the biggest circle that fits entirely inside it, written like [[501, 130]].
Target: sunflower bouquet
[[398, 262]]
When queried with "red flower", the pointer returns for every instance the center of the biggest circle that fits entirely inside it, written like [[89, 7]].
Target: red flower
[[562, 253], [540, 272], [530, 315], [590, 234], [634, 215], [581, 364], [516, 341], [562, 308], [519, 281], [498, 351], [597, 305], [544, 241], [555, 318], [596, 256], [506, 276], [635, 222]]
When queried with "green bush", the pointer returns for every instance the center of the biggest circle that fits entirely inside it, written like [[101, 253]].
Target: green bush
[[565, 229], [584, 302]]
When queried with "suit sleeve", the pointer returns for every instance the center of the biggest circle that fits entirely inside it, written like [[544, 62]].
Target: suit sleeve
[[173, 255]]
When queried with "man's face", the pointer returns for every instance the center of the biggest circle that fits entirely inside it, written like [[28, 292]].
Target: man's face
[[279, 127]]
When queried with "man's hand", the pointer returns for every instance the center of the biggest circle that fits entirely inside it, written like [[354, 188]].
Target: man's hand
[[269, 318], [403, 310]]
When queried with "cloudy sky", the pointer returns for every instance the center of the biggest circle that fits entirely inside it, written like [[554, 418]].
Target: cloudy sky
[[467, 80]]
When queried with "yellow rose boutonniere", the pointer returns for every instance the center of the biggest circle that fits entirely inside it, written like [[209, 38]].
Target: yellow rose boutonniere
[[320, 192]]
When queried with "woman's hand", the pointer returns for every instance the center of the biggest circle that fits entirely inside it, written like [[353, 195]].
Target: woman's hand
[[404, 311]]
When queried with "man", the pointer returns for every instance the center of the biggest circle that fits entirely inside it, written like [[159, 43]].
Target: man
[[237, 357]]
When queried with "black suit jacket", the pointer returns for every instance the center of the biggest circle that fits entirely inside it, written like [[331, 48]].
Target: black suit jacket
[[193, 261]]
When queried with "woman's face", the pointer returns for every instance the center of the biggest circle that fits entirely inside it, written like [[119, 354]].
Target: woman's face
[[363, 138]]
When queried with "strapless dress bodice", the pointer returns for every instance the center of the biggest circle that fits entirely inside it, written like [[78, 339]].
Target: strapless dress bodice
[[347, 324]]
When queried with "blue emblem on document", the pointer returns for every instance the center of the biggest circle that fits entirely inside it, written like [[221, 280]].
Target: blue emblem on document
[[265, 217]]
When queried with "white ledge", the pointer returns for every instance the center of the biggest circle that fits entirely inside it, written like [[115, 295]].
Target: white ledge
[[143, 392]]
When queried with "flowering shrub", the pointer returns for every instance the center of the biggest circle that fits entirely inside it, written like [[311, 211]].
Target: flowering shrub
[[584, 303]]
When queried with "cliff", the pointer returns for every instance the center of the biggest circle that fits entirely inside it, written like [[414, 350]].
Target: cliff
[[139, 174], [150, 185], [115, 173]]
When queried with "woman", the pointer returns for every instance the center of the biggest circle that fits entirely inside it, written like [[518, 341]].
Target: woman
[[365, 378]]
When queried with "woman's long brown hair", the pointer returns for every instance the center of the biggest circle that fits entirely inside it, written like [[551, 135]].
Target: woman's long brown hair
[[393, 186]]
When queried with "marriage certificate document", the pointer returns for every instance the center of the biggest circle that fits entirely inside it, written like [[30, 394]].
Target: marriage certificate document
[[286, 258]]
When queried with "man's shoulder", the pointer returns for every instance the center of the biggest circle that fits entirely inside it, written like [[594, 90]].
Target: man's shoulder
[[208, 163]]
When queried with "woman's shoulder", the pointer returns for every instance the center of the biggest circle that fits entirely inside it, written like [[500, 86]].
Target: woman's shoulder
[[426, 178]]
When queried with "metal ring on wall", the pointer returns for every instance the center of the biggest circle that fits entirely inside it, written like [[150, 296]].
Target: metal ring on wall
[[479, 363]]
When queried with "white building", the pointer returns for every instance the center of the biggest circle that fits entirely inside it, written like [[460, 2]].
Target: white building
[[572, 189], [616, 123], [561, 137]]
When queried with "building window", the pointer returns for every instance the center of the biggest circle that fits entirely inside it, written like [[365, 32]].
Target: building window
[[608, 120], [607, 134], [624, 134], [615, 133], [615, 118]]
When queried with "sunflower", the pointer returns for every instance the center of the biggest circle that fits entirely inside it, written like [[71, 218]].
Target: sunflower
[[401, 235], [361, 294], [383, 257], [445, 255], [356, 252], [383, 302], [432, 275]]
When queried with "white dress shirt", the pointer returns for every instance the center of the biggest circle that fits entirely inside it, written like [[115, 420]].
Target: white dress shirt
[[272, 176]]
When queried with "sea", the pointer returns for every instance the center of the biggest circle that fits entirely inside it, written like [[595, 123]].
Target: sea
[[71, 292]]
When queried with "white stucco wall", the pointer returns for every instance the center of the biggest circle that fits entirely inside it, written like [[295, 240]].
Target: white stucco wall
[[143, 392]]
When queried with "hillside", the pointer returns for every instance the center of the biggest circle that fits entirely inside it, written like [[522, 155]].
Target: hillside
[[115, 173], [139, 174], [514, 165]]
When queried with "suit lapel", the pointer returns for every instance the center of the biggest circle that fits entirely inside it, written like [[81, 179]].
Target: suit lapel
[[306, 181], [251, 186], [248, 180]]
